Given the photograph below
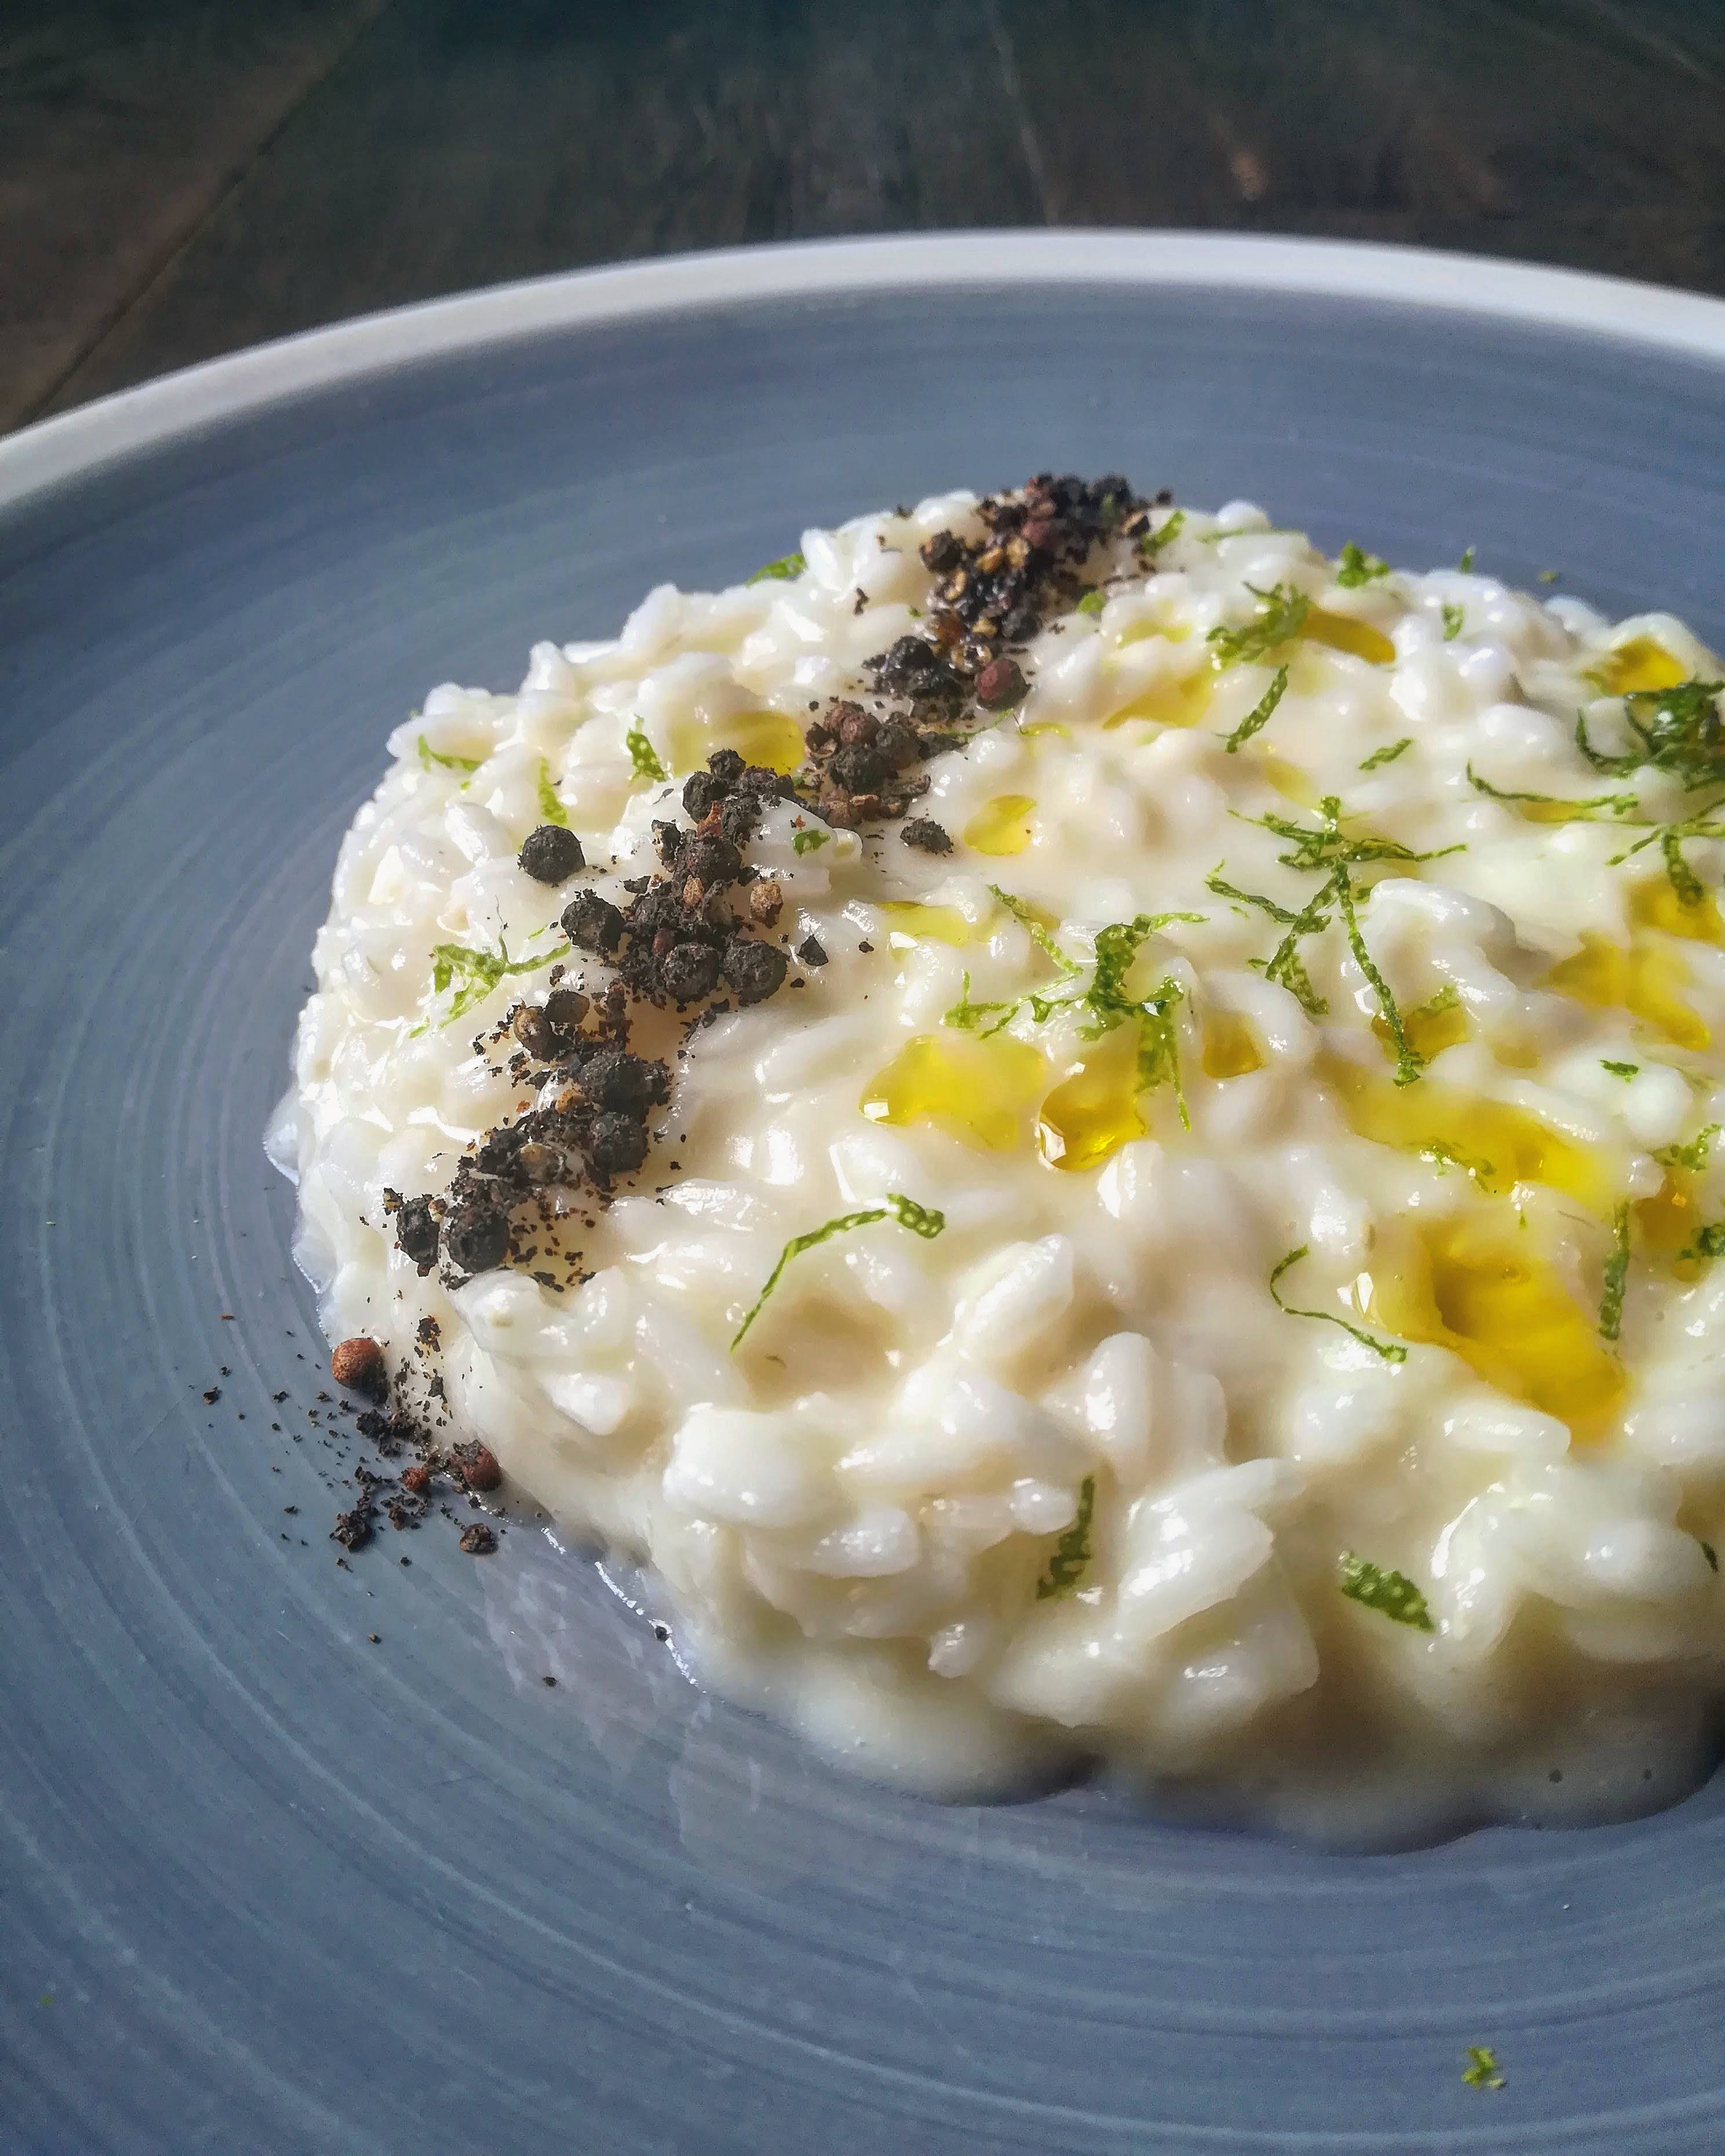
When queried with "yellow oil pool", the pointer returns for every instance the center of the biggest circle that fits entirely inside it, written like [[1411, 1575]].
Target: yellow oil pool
[[1477, 1286], [1496, 1145], [766, 738], [1641, 664], [1001, 826], [1646, 979], [1230, 1047], [980, 1091]]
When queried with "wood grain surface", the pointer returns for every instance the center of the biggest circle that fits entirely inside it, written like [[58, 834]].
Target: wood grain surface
[[184, 177]]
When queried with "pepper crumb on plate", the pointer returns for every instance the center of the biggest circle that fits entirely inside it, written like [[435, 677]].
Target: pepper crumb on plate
[[359, 1365]]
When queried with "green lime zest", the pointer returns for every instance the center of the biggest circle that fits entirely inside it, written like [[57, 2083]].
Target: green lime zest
[[783, 571], [921, 1219], [1616, 1275], [429, 757], [1388, 1351], [1258, 717], [550, 809], [473, 974], [1153, 542], [1281, 614], [1393, 1595], [643, 755], [1072, 1553], [1357, 568]]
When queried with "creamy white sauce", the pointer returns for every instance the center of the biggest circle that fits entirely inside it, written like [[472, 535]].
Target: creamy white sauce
[[850, 1516]]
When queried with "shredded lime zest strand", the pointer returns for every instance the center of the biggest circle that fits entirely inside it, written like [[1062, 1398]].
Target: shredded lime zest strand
[[1709, 1244], [643, 755], [969, 1017], [1389, 1351], [1025, 914], [1692, 1154], [1624, 1070], [1281, 614], [1616, 1275], [1153, 542], [1466, 564], [1326, 846], [473, 974], [921, 1219], [1391, 1594], [783, 571], [1259, 716], [808, 842], [431, 758], [1092, 602], [1072, 1553], [1482, 2070], [1380, 757], [1357, 568], [1109, 1004], [550, 809], [1454, 618], [1582, 811], [1408, 1064], [1676, 730]]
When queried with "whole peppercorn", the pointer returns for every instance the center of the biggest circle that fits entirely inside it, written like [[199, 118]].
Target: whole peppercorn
[[1000, 685], [358, 1365], [416, 1233], [897, 742], [479, 1467], [552, 854], [703, 790], [565, 1008], [726, 764], [618, 1080], [591, 923], [689, 971], [852, 724], [710, 860], [617, 1145], [532, 1029], [738, 817], [754, 971], [859, 769], [942, 552], [476, 1237]]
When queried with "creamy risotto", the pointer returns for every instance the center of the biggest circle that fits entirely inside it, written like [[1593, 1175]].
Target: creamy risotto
[[1091, 1135]]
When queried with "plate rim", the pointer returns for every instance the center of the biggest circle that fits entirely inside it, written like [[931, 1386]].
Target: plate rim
[[189, 399]]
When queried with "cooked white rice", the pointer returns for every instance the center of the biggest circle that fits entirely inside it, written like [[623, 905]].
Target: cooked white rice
[[1084, 1474]]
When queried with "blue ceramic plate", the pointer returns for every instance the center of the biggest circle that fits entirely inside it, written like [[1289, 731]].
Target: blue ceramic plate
[[272, 1884]]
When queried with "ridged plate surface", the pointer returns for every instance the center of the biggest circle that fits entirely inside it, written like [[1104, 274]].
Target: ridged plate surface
[[270, 1886]]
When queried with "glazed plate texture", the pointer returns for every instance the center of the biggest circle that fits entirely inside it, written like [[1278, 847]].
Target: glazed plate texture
[[413, 1852]]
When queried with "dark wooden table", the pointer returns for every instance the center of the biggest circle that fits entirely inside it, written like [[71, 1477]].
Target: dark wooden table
[[178, 177]]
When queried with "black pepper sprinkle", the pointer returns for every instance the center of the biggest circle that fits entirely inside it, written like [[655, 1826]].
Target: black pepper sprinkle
[[692, 935]]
